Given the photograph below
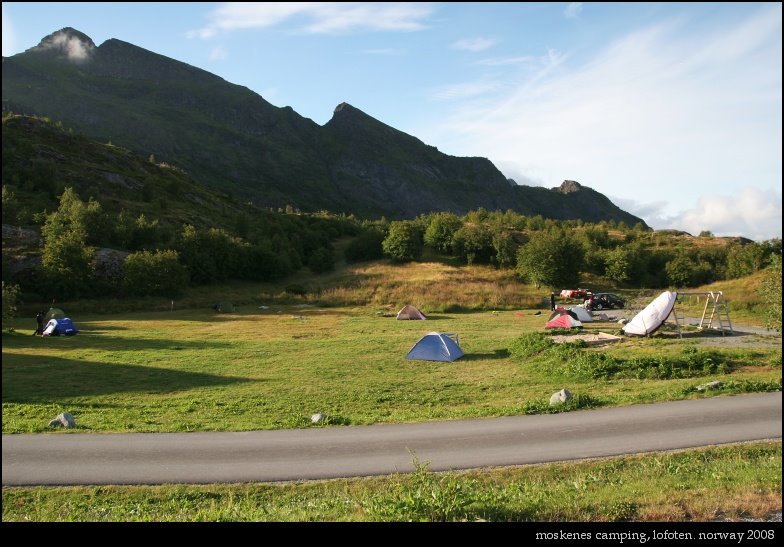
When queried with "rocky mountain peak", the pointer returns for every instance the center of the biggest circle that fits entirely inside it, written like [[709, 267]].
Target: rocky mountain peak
[[569, 187], [344, 107], [69, 42]]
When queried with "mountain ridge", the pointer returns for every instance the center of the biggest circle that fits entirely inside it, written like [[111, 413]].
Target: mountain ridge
[[231, 139]]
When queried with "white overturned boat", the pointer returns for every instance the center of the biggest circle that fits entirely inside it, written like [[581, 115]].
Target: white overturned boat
[[653, 316]]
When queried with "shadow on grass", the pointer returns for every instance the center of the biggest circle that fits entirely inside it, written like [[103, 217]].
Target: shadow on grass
[[87, 339], [497, 354], [35, 379]]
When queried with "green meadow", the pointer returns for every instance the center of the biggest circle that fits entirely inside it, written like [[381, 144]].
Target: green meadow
[[335, 347], [274, 366]]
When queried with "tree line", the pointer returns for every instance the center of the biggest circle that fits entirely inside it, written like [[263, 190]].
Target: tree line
[[150, 258], [554, 254], [158, 259]]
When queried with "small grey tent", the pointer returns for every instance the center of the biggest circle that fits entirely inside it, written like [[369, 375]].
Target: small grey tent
[[435, 346], [410, 312]]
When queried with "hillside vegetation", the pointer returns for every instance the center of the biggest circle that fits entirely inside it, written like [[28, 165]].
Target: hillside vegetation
[[148, 230]]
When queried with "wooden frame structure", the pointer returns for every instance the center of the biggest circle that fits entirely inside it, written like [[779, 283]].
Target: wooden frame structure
[[719, 312]]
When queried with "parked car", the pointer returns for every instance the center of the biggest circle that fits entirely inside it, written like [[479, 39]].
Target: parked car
[[574, 293], [604, 301]]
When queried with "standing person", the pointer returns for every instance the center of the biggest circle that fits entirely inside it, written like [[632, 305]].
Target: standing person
[[552, 301], [40, 320]]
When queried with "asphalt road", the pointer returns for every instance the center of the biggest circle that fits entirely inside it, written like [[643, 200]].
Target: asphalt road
[[320, 453]]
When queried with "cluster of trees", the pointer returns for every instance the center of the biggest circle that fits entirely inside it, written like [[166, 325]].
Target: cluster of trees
[[159, 259], [156, 259], [553, 253]]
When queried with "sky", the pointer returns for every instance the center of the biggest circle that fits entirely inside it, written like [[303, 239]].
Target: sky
[[672, 110]]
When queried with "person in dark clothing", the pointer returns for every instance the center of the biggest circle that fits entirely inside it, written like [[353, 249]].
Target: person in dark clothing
[[40, 320], [552, 301]]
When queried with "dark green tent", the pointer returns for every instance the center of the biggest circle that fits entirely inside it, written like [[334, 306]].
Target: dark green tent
[[54, 313], [224, 307]]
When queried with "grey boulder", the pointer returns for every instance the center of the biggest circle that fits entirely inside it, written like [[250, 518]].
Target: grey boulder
[[65, 419], [560, 397]]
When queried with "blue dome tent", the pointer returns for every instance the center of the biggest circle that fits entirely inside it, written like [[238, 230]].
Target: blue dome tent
[[435, 346]]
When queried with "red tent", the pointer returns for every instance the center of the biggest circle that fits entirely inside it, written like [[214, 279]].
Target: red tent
[[564, 321]]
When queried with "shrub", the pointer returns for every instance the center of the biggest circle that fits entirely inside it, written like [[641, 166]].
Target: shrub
[[321, 260], [367, 246], [154, 273], [404, 242], [440, 231], [10, 295]]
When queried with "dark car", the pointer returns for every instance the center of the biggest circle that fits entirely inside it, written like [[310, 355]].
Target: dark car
[[604, 301]]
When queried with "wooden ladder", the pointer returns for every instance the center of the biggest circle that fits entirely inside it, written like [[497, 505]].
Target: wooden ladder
[[679, 318], [719, 311]]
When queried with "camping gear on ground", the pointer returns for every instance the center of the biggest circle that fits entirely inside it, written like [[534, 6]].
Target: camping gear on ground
[[410, 312], [436, 346], [56, 327], [564, 321], [224, 307], [652, 316]]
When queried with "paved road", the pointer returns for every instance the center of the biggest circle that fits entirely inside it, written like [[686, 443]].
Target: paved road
[[318, 453]]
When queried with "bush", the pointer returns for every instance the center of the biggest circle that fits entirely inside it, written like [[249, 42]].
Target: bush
[[367, 246], [154, 273], [321, 260], [440, 231], [530, 344], [10, 294], [404, 242]]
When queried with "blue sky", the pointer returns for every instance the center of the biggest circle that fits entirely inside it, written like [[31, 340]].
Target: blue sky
[[671, 110]]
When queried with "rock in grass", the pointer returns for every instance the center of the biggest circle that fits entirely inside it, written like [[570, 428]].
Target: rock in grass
[[317, 418], [710, 385], [560, 397], [65, 419]]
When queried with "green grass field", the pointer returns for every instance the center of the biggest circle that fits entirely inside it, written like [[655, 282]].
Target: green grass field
[[338, 350], [273, 368]]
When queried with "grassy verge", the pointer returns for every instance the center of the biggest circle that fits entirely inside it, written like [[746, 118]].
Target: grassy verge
[[728, 482]]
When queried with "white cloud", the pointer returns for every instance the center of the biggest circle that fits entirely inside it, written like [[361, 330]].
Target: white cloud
[[474, 44], [317, 17], [573, 10], [667, 112], [219, 53], [9, 36], [74, 48], [753, 213]]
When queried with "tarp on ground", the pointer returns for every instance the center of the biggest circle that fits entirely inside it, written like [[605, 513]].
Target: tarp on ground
[[435, 346], [652, 316]]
